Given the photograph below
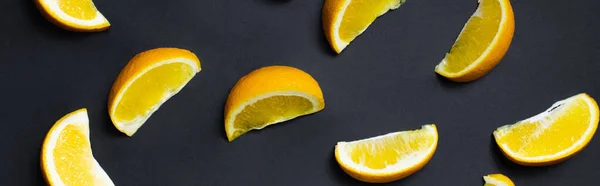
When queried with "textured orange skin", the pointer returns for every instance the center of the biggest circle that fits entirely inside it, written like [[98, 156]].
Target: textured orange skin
[[140, 63], [560, 159], [43, 159], [64, 25], [268, 80], [497, 52], [330, 7], [388, 177]]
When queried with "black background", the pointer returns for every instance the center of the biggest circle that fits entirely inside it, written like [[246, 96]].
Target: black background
[[383, 82]]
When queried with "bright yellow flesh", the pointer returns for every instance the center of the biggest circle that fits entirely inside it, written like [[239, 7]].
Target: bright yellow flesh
[[270, 110], [73, 157], [475, 38], [497, 180], [80, 9], [377, 153], [551, 134], [361, 13], [152, 88]]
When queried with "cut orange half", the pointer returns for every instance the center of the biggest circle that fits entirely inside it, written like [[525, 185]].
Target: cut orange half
[[553, 135], [388, 157]]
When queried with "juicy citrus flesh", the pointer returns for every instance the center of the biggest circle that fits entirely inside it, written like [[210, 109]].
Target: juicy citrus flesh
[[80, 9], [561, 127], [361, 13], [155, 86], [497, 180], [388, 157], [269, 111], [476, 36], [383, 152], [73, 156]]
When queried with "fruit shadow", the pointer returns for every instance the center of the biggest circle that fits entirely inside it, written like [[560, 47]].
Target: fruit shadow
[[504, 165], [447, 84], [342, 178], [108, 126], [41, 25]]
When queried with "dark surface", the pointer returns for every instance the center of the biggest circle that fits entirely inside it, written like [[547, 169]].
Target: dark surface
[[383, 82]]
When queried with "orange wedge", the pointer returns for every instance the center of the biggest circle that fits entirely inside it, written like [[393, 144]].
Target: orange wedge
[[74, 15], [481, 44], [388, 157], [147, 81], [270, 95], [344, 20], [553, 135], [67, 154]]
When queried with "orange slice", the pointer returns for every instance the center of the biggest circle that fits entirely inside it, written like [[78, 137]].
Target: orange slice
[[270, 95], [481, 44], [74, 15], [67, 154], [388, 157], [149, 79], [553, 135], [344, 20]]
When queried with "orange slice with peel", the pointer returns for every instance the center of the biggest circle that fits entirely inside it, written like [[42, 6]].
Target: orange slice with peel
[[553, 135], [147, 81], [482, 43], [389, 157], [344, 20], [270, 95], [74, 15], [66, 157], [497, 180]]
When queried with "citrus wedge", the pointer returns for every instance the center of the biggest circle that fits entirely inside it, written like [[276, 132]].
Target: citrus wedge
[[497, 180], [551, 136], [344, 20], [388, 157], [146, 82], [270, 95], [67, 154], [74, 15], [481, 44]]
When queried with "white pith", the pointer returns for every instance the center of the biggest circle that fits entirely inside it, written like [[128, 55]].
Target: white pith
[[78, 118], [341, 44], [239, 109], [478, 13], [130, 127], [54, 6], [562, 104], [400, 166]]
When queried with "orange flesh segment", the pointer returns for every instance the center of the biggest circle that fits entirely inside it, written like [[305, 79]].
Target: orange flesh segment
[[546, 138], [270, 110], [74, 157], [475, 38], [382, 152], [361, 13], [155, 86], [80, 9]]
